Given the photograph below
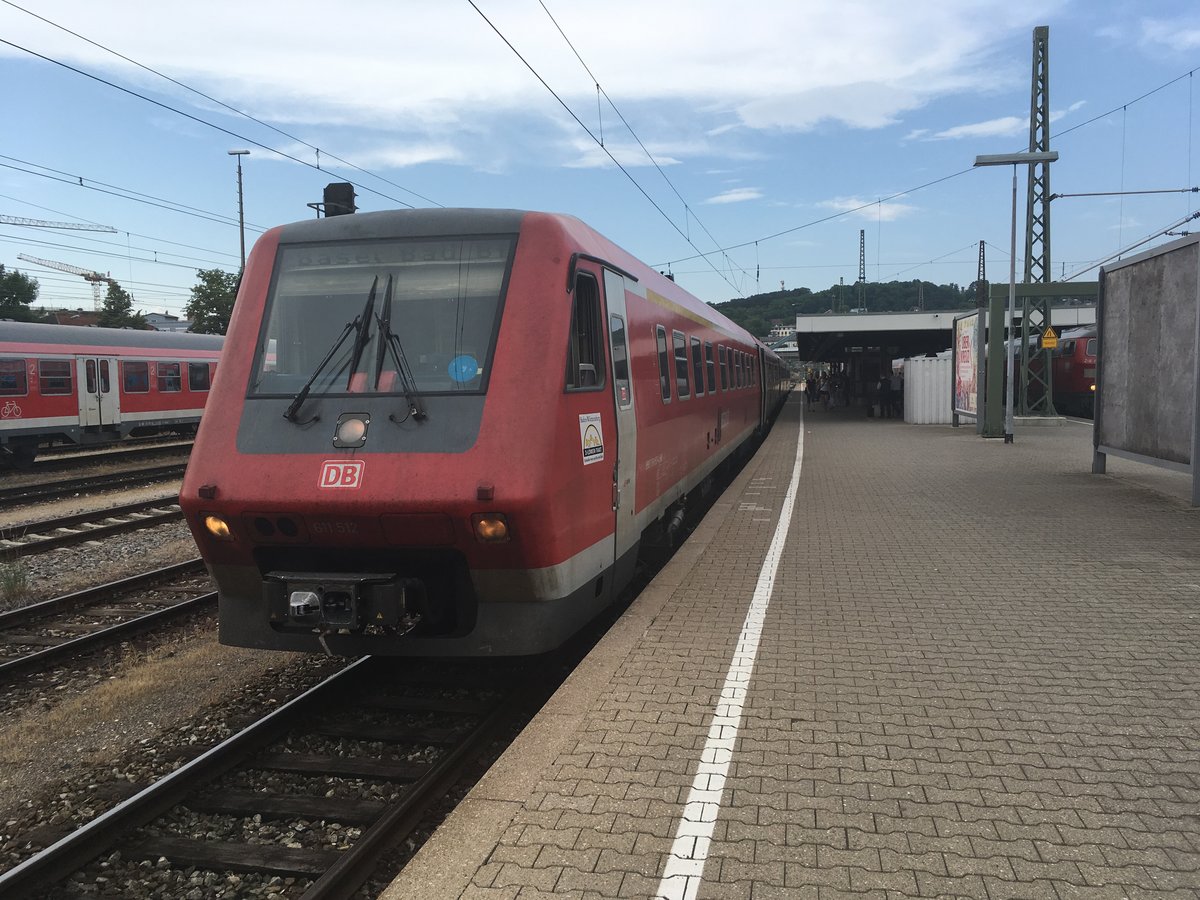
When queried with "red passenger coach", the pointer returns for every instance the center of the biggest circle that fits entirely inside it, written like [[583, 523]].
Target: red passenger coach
[[75, 385], [449, 432]]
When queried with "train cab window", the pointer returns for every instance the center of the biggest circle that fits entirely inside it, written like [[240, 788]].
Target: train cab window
[[722, 363], [429, 307], [198, 377], [697, 367], [682, 388], [621, 381], [170, 380], [585, 352], [710, 367], [1090, 349], [13, 381], [135, 377], [664, 364], [54, 376]]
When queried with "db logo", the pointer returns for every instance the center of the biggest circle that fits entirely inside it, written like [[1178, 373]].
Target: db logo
[[338, 474]]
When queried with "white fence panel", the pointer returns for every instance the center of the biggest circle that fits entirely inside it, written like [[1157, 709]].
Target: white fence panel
[[927, 386]]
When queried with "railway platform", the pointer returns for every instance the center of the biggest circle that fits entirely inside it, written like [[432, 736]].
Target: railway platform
[[893, 661]]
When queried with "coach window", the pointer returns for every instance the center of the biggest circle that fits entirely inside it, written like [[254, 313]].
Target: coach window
[[12, 378], [198, 377], [585, 356], [169, 378], [664, 364], [616, 328], [135, 377], [681, 365], [710, 367], [105, 378], [54, 376], [721, 364], [697, 367]]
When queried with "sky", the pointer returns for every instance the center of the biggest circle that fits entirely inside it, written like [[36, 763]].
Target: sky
[[739, 146]]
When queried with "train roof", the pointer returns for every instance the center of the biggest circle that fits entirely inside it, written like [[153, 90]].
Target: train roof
[[39, 333], [470, 221]]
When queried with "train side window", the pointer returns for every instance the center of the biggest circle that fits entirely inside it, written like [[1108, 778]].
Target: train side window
[[170, 380], [616, 328], [198, 377], [135, 377], [664, 363], [585, 354], [1090, 350], [13, 381], [54, 376], [682, 388], [722, 363], [697, 367], [710, 367], [105, 380]]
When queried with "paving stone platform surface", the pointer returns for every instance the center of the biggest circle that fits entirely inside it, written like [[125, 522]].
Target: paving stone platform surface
[[978, 676]]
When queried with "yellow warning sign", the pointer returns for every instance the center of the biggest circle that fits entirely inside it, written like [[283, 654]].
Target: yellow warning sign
[[1049, 339]]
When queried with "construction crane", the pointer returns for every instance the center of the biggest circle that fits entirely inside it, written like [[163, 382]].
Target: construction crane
[[38, 223], [95, 278]]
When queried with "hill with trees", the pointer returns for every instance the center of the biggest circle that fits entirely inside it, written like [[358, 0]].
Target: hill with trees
[[758, 313]]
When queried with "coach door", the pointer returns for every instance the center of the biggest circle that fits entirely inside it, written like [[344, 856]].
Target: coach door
[[625, 466], [99, 398]]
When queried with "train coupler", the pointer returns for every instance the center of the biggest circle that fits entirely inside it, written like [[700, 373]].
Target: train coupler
[[343, 602]]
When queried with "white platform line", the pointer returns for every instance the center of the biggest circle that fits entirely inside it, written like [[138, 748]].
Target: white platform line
[[685, 867]]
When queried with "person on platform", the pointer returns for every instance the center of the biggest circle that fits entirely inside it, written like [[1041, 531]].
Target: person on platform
[[884, 391]]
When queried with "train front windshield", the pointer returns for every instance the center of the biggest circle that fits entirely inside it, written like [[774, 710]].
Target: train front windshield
[[373, 306]]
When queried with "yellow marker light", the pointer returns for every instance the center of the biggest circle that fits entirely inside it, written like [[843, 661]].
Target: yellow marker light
[[490, 528], [218, 528]]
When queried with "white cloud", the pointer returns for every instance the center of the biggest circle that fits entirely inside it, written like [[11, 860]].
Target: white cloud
[[422, 69], [870, 210], [1005, 126], [735, 195], [1181, 36]]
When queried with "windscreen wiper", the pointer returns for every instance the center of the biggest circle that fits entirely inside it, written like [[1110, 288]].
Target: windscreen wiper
[[389, 339], [359, 327]]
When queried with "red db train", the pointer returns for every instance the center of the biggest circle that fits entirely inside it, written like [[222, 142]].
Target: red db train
[[73, 385], [447, 432], [1074, 366]]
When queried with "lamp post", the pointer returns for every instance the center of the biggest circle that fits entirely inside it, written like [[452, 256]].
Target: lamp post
[[1013, 159], [241, 212]]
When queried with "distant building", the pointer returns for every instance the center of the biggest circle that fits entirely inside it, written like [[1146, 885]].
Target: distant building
[[164, 321], [783, 331]]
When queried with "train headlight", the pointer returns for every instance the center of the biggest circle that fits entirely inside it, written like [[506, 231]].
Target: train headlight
[[351, 430], [490, 528], [218, 528]]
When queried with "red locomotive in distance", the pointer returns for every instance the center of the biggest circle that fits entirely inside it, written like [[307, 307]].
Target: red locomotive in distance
[[447, 432], [88, 386]]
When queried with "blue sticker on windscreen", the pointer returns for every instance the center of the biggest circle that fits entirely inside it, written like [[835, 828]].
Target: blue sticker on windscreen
[[463, 368]]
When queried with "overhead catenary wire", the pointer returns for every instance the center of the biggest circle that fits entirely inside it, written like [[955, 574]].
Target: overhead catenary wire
[[223, 104], [936, 181], [241, 137], [687, 210], [593, 136]]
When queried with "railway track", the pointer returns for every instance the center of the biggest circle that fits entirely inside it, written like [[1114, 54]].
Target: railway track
[[313, 793], [40, 635], [90, 484], [65, 531]]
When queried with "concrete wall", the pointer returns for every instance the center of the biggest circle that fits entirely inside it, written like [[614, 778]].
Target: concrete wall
[[1146, 387]]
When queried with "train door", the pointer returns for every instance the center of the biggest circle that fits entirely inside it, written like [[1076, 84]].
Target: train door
[[625, 465], [99, 398]]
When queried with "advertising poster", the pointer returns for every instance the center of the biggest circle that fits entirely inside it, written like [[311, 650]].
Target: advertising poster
[[966, 396]]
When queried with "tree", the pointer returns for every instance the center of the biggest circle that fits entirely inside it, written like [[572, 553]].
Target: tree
[[117, 311], [17, 291], [212, 301]]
